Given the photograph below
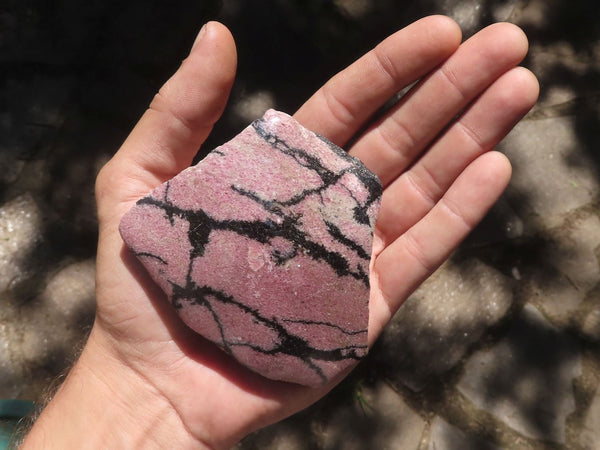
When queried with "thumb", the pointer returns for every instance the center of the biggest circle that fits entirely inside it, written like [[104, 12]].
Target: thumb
[[176, 123]]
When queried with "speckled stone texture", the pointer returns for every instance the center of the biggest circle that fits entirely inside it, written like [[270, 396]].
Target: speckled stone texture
[[264, 248]]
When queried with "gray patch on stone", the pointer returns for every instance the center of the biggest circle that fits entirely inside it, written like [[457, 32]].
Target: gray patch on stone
[[526, 379], [440, 322]]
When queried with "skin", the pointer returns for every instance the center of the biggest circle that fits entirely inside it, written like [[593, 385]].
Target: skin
[[144, 380]]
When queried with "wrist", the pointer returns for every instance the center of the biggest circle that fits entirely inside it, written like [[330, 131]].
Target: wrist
[[104, 403]]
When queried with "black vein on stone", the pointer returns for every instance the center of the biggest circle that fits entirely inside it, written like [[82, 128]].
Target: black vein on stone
[[301, 156], [215, 316], [328, 178], [337, 234], [327, 324], [201, 225], [368, 178], [287, 343], [166, 199], [150, 255]]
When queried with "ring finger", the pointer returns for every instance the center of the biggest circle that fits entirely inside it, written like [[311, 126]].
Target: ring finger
[[396, 140], [408, 198]]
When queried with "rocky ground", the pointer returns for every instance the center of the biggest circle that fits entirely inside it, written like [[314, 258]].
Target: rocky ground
[[498, 349]]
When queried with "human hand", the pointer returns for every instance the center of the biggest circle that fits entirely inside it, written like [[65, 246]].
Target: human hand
[[167, 386]]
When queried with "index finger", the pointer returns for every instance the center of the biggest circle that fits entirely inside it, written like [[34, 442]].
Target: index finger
[[342, 106]]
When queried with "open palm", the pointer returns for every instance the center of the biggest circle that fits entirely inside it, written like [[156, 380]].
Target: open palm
[[431, 152]]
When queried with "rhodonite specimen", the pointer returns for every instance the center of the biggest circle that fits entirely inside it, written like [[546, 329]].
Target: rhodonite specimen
[[264, 248]]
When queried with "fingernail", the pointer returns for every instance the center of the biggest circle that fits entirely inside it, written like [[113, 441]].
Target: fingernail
[[201, 35]]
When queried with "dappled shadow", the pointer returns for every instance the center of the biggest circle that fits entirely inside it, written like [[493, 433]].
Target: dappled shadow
[[569, 33], [364, 411], [290, 48], [526, 379], [75, 77]]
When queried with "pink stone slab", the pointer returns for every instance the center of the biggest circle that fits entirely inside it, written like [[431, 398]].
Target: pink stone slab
[[264, 248]]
